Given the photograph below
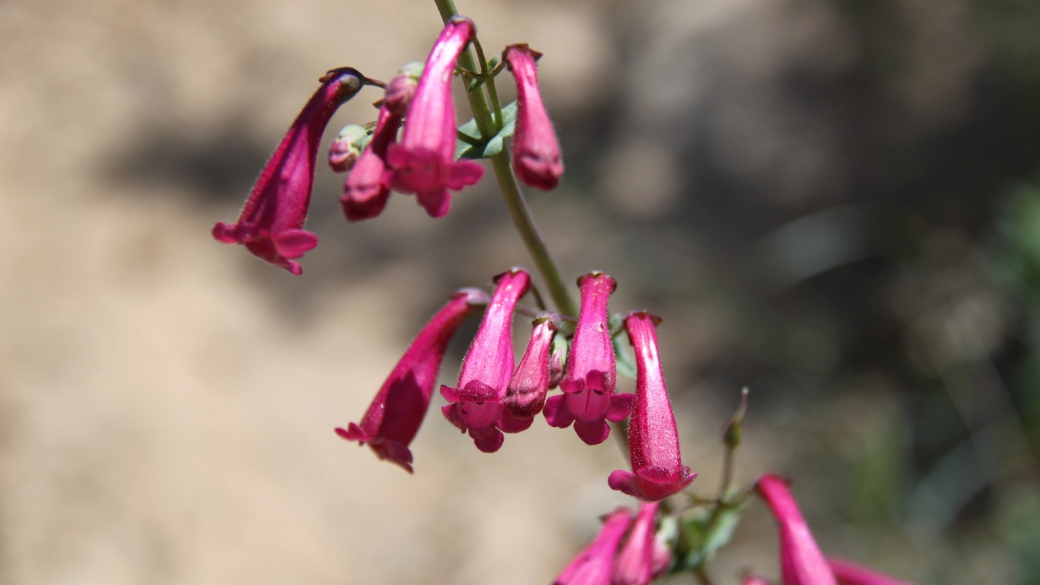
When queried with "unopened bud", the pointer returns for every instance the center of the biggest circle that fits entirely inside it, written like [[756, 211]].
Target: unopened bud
[[346, 148], [557, 361], [735, 429], [400, 90]]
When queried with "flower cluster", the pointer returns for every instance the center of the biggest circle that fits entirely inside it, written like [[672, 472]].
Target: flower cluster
[[495, 396], [423, 162]]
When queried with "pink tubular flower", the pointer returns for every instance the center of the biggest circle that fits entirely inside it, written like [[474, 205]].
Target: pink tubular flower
[[525, 395], [536, 152], [848, 573], [801, 562], [393, 419], [423, 162], [591, 376], [595, 564], [653, 440], [635, 563], [476, 403], [271, 222], [367, 187]]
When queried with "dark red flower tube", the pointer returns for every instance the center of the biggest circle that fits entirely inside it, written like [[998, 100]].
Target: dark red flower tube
[[270, 224], [367, 187], [653, 440], [536, 151], [397, 411], [476, 402], [588, 398], [525, 395], [424, 161], [595, 564], [801, 562], [635, 562]]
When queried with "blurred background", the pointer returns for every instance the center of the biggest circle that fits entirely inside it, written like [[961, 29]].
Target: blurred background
[[834, 202]]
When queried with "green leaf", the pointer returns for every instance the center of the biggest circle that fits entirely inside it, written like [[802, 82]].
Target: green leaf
[[708, 533], [486, 148]]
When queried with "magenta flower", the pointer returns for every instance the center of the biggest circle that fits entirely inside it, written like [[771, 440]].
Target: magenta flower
[[476, 403], [424, 161], [346, 148], [393, 419], [801, 562], [401, 89], [591, 375], [525, 395], [367, 187], [848, 573], [595, 564], [653, 440], [536, 152], [635, 563], [271, 222]]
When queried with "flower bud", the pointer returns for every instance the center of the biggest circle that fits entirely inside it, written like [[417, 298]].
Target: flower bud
[[346, 148], [400, 90]]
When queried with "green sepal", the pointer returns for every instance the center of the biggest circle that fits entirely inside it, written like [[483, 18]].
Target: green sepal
[[486, 148], [708, 533]]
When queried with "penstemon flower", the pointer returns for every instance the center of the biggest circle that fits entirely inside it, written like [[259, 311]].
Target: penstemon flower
[[397, 411], [848, 573], [595, 564], [270, 224], [367, 187], [525, 395], [635, 563], [424, 162], [653, 440], [476, 402], [801, 562], [536, 152], [591, 375]]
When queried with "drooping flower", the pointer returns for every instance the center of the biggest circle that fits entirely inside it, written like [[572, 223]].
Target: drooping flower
[[536, 152], [595, 564], [476, 402], [525, 395], [423, 161], [397, 411], [270, 224], [367, 187], [848, 573], [591, 375], [635, 563], [801, 562], [346, 148], [653, 440]]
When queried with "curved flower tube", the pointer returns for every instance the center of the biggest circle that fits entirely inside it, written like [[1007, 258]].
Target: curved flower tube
[[635, 563], [271, 222], [424, 161], [801, 562], [591, 374], [525, 395], [653, 439], [367, 187], [536, 151], [398, 409], [595, 564], [476, 402]]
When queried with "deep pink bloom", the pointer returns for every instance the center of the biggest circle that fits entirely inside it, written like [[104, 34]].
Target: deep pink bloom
[[367, 187], [653, 440], [595, 564], [476, 403], [401, 89], [525, 395], [536, 152], [801, 562], [271, 222], [635, 563], [393, 419], [424, 161], [591, 376], [852, 574]]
